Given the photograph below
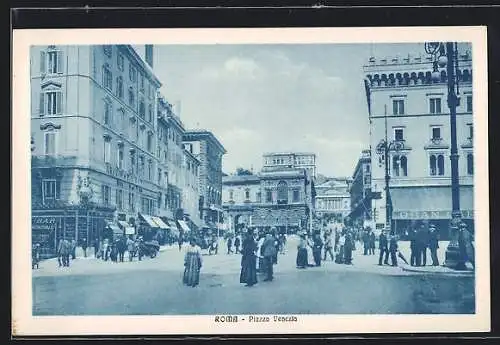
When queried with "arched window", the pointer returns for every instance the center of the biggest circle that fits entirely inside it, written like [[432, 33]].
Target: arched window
[[247, 194], [432, 165], [282, 192], [107, 77], [440, 165], [470, 164], [404, 165], [150, 113], [400, 165], [395, 166]]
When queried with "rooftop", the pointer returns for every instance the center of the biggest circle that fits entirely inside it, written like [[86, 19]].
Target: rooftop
[[198, 134], [234, 179]]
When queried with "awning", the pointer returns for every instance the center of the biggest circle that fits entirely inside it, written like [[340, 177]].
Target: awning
[[114, 228], [184, 226], [169, 222], [123, 224], [430, 202], [149, 220], [160, 223], [129, 229]]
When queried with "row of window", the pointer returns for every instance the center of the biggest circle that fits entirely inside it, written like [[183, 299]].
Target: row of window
[[399, 165], [436, 132], [132, 71], [289, 160], [435, 105]]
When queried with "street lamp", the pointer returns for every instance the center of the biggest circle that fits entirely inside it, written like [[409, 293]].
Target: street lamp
[[446, 56], [384, 147]]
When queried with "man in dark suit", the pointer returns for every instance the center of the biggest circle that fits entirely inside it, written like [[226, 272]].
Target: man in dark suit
[[383, 246], [422, 243], [269, 252], [433, 244]]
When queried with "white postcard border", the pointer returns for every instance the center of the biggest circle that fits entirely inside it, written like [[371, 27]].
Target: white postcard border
[[23, 323]]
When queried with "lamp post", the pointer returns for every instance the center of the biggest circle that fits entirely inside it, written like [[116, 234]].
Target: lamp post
[[384, 147], [446, 56]]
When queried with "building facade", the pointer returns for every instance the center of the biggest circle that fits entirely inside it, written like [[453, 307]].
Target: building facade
[[208, 150], [190, 194], [360, 190], [280, 160], [333, 200], [94, 133], [407, 106], [280, 197]]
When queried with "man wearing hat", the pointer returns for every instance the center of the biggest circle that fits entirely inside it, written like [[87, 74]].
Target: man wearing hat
[[433, 244]]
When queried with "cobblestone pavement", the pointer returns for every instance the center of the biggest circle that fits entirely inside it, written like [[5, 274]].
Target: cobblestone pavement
[[153, 286]]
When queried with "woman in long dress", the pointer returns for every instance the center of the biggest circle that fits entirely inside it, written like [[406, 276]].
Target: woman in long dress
[[192, 264], [248, 273], [302, 252]]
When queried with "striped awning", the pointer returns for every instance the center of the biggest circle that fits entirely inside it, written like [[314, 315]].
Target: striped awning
[[149, 220], [184, 226], [160, 223]]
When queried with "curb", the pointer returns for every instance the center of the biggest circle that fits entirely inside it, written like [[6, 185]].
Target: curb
[[448, 273]]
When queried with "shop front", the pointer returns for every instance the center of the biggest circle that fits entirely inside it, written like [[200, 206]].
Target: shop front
[[172, 232], [57, 220], [147, 228], [163, 229], [414, 206], [184, 229]]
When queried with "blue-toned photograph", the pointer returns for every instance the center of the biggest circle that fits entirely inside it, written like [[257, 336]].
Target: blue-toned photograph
[[252, 179]]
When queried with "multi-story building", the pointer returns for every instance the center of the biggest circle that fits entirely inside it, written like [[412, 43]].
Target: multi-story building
[[209, 151], [406, 105], [360, 190], [281, 197], [94, 130], [333, 200], [279, 160], [190, 194]]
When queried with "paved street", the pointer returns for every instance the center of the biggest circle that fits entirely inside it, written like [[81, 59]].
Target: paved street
[[154, 286]]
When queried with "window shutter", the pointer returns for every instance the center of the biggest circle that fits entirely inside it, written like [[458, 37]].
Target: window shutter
[[59, 103], [41, 106], [60, 62], [43, 62]]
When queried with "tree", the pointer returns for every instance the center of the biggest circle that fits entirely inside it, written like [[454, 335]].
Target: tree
[[242, 171]]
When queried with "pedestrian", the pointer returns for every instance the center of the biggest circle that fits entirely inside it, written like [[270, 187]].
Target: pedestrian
[[130, 248], [84, 247], [237, 243], [302, 252], [192, 264], [64, 252], [317, 248], [122, 247], [35, 256], [366, 242], [328, 246], [140, 247], [229, 245], [96, 248], [384, 250], [393, 249], [414, 250], [465, 247], [260, 256], [114, 252], [341, 248], [371, 237], [179, 241], [348, 247], [248, 274], [59, 252], [433, 244], [73, 249], [422, 240], [268, 252], [105, 249]]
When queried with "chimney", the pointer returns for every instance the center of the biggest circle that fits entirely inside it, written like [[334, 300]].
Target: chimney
[[149, 55]]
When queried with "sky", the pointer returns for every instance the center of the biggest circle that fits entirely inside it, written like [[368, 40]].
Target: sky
[[267, 98]]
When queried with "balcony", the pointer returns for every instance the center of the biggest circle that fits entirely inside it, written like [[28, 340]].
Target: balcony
[[437, 143], [54, 161]]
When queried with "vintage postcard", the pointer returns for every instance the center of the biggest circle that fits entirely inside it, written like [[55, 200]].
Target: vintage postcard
[[250, 181]]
